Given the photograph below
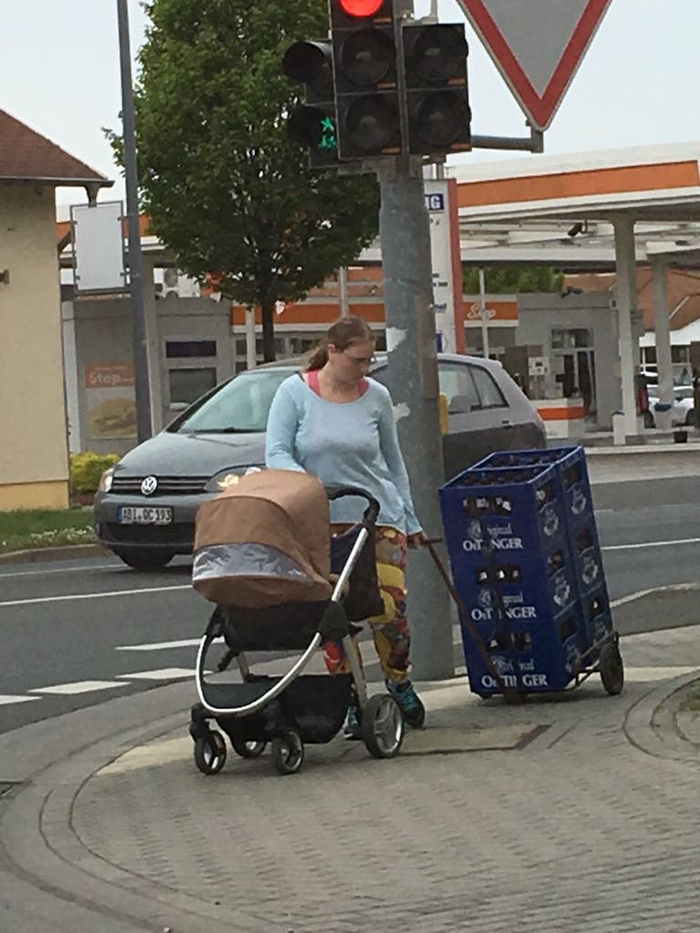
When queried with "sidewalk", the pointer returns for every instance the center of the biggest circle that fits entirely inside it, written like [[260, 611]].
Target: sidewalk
[[549, 816]]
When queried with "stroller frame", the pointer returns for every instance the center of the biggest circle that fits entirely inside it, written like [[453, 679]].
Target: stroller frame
[[380, 718]]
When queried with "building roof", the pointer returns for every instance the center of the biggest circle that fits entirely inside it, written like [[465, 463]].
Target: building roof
[[26, 155], [683, 291]]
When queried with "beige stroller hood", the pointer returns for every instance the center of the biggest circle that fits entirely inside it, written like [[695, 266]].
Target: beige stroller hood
[[264, 541]]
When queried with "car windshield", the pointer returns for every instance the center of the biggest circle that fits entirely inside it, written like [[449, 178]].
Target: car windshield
[[684, 392], [241, 406]]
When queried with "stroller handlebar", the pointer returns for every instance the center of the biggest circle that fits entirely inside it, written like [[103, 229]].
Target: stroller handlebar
[[371, 512]]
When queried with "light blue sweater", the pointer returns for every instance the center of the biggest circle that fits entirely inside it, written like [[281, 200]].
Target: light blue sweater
[[350, 444]]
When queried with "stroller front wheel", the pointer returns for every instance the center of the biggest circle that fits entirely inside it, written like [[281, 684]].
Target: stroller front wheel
[[210, 752], [288, 752], [382, 726]]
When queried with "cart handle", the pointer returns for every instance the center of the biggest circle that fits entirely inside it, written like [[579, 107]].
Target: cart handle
[[371, 512], [511, 696]]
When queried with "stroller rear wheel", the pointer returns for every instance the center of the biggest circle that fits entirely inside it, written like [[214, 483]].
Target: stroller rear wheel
[[288, 752], [248, 749], [210, 752], [382, 726]]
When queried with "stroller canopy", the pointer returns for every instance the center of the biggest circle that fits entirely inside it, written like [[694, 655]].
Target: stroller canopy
[[264, 541]]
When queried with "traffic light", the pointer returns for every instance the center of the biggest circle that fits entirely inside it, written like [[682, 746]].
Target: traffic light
[[313, 123], [435, 63], [366, 93]]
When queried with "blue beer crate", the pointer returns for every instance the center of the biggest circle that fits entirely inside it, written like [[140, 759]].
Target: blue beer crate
[[597, 615], [588, 558], [513, 509], [579, 515], [532, 587], [527, 657], [537, 595], [529, 619], [514, 570]]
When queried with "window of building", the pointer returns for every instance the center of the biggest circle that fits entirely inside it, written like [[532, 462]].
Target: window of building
[[187, 385], [571, 339], [186, 349]]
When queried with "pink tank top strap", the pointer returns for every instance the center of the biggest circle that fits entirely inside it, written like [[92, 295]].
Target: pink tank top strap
[[313, 381]]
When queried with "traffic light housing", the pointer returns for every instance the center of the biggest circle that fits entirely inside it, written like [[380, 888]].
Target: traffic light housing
[[435, 65], [366, 92], [313, 123]]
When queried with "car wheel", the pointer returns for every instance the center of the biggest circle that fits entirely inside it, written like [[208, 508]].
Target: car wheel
[[145, 559], [690, 419]]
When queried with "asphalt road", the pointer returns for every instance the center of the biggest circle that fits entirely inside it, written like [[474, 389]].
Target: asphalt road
[[81, 632]]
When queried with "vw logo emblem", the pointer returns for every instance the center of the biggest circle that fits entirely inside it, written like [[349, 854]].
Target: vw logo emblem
[[149, 485]]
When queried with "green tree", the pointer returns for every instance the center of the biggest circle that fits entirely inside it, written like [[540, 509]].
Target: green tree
[[513, 279], [224, 187]]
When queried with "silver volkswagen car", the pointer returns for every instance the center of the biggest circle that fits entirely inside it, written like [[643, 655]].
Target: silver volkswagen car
[[146, 505]]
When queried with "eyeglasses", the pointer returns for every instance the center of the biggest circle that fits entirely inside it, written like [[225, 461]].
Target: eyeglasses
[[361, 360]]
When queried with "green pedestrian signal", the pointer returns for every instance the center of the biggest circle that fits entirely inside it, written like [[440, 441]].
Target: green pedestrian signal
[[329, 136], [312, 124]]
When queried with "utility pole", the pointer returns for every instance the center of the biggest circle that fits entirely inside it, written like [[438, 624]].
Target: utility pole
[[483, 316], [404, 228], [399, 95], [138, 316]]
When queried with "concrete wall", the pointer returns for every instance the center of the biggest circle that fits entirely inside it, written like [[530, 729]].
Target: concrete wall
[[33, 441], [99, 367], [540, 314]]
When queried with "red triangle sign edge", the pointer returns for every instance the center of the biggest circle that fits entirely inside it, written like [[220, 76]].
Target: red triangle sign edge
[[540, 109]]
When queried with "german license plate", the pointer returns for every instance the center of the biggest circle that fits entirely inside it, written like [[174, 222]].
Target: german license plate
[[144, 515]]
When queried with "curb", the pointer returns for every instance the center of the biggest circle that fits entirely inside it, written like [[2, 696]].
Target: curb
[[68, 552], [641, 449], [650, 725]]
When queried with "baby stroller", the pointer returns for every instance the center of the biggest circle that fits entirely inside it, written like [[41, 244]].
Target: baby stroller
[[263, 555]]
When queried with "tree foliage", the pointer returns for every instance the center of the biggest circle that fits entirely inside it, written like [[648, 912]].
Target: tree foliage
[[513, 279], [224, 187]]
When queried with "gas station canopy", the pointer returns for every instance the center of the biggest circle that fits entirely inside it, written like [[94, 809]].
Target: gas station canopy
[[561, 210]]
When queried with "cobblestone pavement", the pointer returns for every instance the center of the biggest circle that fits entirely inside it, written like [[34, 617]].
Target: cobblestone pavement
[[550, 816]]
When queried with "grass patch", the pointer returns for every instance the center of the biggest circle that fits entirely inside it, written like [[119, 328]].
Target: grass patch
[[692, 704], [26, 529]]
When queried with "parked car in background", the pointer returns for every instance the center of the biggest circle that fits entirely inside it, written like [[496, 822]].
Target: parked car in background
[[146, 505], [683, 404]]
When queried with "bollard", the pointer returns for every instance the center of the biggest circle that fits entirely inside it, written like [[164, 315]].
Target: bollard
[[618, 426]]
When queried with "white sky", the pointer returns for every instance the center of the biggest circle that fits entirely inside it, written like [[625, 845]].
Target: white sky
[[59, 74]]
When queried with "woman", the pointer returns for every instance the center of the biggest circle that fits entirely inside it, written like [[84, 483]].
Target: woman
[[334, 422]]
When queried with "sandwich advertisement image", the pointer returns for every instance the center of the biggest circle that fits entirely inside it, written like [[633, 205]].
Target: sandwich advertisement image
[[111, 400]]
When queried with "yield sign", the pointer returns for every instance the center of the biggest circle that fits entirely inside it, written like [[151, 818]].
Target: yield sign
[[537, 45]]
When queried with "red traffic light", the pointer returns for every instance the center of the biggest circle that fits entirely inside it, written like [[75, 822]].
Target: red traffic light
[[361, 8]]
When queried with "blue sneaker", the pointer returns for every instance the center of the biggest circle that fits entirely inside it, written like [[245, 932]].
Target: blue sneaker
[[409, 701], [353, 729]]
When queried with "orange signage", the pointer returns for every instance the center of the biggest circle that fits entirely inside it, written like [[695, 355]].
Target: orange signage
[[496, 311], [109, 375]]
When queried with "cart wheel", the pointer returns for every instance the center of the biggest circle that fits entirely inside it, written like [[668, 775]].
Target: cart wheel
[[288, 752], [248, 749], [612, 671], [210, 753], [382, 726]]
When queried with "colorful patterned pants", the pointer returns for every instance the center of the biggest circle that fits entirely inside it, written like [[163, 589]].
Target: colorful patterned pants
[[392, 637]]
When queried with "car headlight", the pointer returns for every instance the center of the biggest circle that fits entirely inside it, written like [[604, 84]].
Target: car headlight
[[106, 480], [226, 478]]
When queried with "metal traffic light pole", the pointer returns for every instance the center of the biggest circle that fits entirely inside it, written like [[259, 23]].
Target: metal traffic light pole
[[404, 228], [355, 83]]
